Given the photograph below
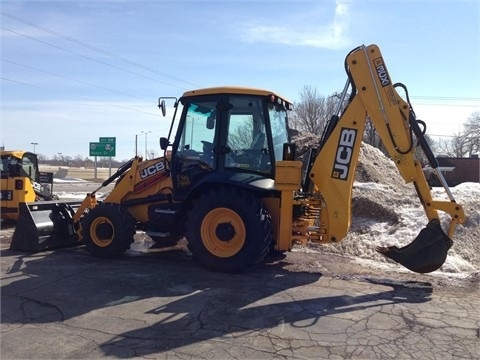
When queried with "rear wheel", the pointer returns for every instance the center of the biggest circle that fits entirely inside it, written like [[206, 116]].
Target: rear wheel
[[229, 230], [108, 230]]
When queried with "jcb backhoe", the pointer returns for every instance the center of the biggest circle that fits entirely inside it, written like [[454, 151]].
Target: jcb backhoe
[[231, 186]]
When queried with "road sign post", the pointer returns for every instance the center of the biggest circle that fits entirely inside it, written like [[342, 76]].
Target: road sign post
[[112, 141], [106, 146]]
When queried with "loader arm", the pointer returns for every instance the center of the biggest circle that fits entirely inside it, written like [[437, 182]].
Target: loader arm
[[332, 173]]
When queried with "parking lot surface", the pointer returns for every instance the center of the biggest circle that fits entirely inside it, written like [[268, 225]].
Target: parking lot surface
[[162, 305]]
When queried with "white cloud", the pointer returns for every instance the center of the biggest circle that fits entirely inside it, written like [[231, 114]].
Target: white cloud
[[331, 35]]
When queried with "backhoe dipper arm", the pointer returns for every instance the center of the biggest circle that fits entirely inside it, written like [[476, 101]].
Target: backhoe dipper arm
[[333, 170]]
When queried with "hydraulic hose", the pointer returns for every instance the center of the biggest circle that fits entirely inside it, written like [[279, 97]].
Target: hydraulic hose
[[419, 133]]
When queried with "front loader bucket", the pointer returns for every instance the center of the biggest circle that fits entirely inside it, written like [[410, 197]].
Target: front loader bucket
[[424, 254], [44, 225]]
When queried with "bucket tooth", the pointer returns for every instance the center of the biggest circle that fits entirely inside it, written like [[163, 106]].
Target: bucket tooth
[[426, 253]]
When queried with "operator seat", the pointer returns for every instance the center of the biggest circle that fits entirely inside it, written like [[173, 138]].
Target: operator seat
[[258, 141]]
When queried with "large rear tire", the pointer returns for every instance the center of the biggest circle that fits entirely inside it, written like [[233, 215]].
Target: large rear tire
[[108, 230], [229, 230]]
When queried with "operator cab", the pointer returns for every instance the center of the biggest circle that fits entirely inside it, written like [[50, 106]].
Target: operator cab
[[228, 131], [19, 164]]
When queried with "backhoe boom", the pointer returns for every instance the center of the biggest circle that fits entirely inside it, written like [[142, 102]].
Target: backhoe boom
[[374, 97]]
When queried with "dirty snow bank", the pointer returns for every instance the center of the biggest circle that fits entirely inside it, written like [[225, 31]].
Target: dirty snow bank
[[386, 211], [405, 220]]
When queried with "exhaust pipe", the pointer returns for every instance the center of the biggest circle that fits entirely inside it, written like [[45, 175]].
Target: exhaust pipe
[[45, 225], [426, 253]]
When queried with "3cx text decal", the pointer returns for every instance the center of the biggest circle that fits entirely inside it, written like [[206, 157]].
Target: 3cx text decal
[[344, 153], [382, 72]]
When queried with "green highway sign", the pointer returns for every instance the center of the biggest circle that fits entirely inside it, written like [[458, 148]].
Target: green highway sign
[[107, 140], [102, 148]]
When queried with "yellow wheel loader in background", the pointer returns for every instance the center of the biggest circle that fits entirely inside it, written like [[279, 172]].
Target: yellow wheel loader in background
[[22, 181], [231, 186]]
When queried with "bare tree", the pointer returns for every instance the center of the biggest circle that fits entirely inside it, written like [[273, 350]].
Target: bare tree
[[312, 112], [466, 143], [42, 159], [472, 133], [371, 137], [242, 138], [451, 147]]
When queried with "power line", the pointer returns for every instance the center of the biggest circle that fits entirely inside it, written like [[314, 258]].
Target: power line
[[90, 58], [19, 82], [446, 98], [70, 79], [78, 81], [136, 64], [459, 105], [94, 48], [442, 135]]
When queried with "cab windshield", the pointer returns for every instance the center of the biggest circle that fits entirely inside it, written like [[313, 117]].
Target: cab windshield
[[13, 166]]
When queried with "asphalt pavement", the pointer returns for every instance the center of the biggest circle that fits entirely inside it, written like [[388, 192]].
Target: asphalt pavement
[[66, 304]]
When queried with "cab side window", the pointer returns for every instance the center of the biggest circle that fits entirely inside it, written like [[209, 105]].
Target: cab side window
[[246, 137]]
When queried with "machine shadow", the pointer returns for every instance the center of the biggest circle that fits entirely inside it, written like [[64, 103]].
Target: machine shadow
[[192, 304], [242, 305]]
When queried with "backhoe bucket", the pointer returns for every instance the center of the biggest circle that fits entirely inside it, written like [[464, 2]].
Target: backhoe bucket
[[45, 225], [424, 254]]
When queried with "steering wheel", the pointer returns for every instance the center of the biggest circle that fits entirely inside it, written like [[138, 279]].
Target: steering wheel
[[207, 147]]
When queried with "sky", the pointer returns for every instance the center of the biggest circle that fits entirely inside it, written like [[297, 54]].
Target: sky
[[75, 71]]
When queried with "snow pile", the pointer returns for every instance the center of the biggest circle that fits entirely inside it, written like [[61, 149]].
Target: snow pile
[[68, 180], [386, 211], [392, 220]]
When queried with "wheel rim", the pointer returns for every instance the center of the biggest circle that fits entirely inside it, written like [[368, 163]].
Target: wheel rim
[[102, 231], [223, 232]]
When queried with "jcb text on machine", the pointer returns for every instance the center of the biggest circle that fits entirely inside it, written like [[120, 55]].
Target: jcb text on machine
[[229, 183]]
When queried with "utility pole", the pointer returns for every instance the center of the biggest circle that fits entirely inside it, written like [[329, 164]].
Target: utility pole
[[146, 133], [34, 144], [136, 145]]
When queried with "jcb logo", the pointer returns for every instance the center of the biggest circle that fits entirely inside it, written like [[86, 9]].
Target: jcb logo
[[36, 186], [343, 157], [152, 169]]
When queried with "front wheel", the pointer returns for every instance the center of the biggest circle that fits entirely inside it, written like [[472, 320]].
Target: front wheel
[[108, 230], [229, 230]]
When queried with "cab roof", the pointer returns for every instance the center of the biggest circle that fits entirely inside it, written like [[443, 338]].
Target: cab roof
[[15, 153], [233, 90]]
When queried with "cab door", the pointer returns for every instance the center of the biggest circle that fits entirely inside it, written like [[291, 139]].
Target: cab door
[[193, 153]]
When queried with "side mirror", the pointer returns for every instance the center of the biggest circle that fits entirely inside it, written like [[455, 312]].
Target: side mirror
[[211, 120], [162, 107], [163, 143]]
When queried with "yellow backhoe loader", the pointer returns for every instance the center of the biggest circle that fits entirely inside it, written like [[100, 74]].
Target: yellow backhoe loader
[[22, 181], [229, 183]]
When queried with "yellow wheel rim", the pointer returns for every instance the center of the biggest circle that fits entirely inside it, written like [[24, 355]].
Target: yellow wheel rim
[[223, 232], [102, 231]]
